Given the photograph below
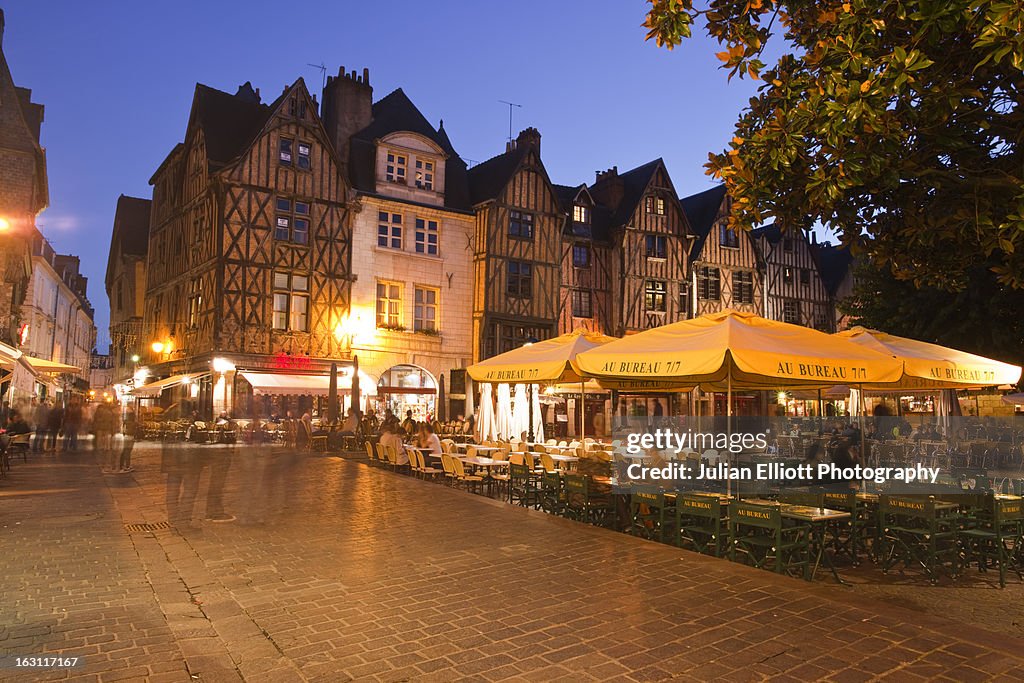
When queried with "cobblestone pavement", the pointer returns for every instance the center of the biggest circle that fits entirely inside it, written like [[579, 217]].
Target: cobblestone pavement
[[326, 569]]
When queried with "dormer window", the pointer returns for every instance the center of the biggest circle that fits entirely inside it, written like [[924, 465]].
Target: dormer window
[[396, 168], [424, 174], [581, 214]]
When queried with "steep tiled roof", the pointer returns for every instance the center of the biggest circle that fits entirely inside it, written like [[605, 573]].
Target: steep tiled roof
[[229, 122], [701, 210], [488, 179], [833, 262]]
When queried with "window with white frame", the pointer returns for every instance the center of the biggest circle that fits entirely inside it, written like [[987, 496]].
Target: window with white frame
[[389, 230], [291, 302], [395, 170], [654, 296], [426, 237], [425, 309], [425, 174], [389, 304]]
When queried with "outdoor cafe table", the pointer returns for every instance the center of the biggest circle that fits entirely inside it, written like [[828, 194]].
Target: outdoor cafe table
[[818, 520], [479, 449]]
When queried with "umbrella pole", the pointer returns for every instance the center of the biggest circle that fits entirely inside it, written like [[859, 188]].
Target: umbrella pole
[[728, 425], [583, 410], [529, 403], [821, 422]]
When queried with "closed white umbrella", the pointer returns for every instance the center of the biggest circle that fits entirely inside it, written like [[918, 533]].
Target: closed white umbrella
[[538, 419], [503, 412], [520, 411], [485, 420]]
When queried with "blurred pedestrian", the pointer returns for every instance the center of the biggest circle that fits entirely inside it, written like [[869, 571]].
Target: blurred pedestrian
[[54, 424], [104, 423], [72, 423], [129, 427], [40, 420]]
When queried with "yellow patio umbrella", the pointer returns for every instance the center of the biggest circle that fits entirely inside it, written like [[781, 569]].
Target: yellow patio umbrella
[[552, 361], [741, 350], [549, 361], [931, 366]]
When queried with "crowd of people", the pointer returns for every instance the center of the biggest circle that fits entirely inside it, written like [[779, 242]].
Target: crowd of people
[[53, 427]]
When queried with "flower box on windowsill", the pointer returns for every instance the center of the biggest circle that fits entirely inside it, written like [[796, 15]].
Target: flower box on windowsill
[[401, 330]]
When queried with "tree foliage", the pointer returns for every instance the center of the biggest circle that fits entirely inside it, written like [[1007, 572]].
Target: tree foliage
[[984, 318], [897, 123]]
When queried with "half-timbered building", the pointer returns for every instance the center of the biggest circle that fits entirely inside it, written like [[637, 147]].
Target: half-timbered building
[[838, 273], [651, 236], [792, 285], [250, 244], [585, 299], [725, 269], [412, 266], [125, 281], [517, 248]]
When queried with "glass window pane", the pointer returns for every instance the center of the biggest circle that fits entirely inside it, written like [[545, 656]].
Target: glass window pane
[[280, 280], [300, 283]]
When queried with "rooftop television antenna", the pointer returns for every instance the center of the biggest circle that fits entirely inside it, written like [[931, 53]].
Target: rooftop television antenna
[[322, 68], [510, 106]]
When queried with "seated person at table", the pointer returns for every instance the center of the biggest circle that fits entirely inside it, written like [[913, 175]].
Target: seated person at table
[[428, 439], [389, 437], [390, 418], [350, 427], [17, 425], [409, 424], [843, 458]]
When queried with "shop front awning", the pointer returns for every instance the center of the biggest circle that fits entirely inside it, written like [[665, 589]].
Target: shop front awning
[[275, 384], [265, 383], [154, 389], [8, 356], [43, 366]]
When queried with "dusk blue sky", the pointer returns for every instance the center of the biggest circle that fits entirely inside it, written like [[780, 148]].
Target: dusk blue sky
[[117, 79]]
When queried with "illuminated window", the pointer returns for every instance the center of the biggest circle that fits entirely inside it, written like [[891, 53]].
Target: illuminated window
[[291, 302], [787, 275], [425, 310], [655, 205], [389, 230], [389, 304], [580, 214], [654, 296], [426, 237], [424, 174], [395, 171]]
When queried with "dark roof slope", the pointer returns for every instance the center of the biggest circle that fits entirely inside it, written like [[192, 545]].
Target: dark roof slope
[[600, 215], [633, 184], [391, 114], [130, 235], [229, 122], [770, 232], [833, 262], [488, 179], [701, 209]]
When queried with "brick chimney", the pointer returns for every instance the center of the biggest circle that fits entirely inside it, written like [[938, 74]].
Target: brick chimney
[[529, 136], [608, 187], [347, 108]]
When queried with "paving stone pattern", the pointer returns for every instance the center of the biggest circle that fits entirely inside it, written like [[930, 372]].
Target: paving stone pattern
[[332, 570]]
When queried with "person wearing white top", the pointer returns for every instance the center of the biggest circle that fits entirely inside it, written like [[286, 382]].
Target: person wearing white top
[[428, 439], [388, 437]]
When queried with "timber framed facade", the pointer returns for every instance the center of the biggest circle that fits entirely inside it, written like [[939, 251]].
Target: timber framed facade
[[250, 237], [793, 291]]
